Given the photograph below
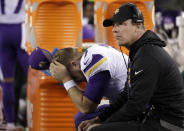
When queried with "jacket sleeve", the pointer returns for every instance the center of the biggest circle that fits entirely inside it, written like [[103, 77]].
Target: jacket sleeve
[[144, 78], [120, 101]]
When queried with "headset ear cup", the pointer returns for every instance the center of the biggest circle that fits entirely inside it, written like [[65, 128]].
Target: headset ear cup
[[134, 19], [137, 16]]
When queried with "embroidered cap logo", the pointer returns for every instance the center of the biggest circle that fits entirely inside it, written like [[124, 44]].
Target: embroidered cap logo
[[117, 10]]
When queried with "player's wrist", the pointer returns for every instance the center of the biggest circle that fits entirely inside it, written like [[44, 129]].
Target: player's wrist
[[67, 78], [69, 84]]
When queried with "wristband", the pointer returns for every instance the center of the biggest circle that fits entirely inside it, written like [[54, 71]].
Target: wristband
[[69, 84]]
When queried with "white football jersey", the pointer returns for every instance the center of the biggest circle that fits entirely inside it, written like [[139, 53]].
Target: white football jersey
[[101, 58], [12, 11]]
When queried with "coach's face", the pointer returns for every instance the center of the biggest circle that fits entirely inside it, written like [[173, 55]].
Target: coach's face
[[124, 33]]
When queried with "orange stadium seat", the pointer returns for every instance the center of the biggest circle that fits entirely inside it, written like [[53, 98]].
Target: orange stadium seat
[[49, 107], [56, 23], [105, 8], [50, 24]]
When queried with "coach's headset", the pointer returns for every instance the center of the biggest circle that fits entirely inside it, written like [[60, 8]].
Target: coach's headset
[[137, 15]]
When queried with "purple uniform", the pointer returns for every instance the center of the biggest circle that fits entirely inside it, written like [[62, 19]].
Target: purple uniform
[[12, 15], [106, 75]]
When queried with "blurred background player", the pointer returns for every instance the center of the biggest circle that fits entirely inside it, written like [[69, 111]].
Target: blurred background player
[[12, 48], [88, 21], [166, 27]]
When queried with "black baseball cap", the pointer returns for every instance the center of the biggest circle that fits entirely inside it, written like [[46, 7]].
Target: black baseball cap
[[125, 12]]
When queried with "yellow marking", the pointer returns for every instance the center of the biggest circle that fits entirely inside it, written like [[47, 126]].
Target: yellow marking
[[95, 66]]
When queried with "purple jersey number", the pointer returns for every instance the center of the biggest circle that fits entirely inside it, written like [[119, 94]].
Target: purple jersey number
[[17, 9]]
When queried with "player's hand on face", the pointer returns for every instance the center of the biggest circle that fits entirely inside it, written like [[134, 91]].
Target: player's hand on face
[[59, 72]]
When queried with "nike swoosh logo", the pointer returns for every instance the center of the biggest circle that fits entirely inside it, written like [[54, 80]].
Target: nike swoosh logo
[[137, 72], [86, 61]]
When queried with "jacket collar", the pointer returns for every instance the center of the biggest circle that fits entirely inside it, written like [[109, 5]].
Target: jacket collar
[[148, 37]]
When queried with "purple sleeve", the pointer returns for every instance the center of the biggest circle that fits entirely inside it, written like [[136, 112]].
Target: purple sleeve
[[97, 85]]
